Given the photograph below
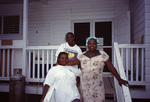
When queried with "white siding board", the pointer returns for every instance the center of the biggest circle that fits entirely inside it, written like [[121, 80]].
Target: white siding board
[[147, 16], [147, 2], [147, 40], [147, 8], [147, 47], [147, 71], [137, 18], [139, 27], [147, 61], [147, 23], [147, 77]]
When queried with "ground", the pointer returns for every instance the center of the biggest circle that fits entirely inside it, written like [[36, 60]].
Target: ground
[[36, 98]]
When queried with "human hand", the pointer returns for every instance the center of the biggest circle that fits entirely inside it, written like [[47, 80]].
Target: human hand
[[124, 82]]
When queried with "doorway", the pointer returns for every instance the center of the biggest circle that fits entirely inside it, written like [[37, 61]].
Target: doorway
[[103, 30]]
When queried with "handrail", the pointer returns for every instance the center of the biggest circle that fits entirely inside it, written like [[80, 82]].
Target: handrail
[[123, 94]]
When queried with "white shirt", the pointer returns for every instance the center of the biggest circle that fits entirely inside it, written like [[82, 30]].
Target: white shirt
[[73, 53], [64, 81]]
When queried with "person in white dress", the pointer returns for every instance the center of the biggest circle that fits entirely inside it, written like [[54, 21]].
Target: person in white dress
[[73, 51], [63, 79]]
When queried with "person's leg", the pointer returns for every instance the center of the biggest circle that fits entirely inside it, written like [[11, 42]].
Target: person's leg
[[76, 100]]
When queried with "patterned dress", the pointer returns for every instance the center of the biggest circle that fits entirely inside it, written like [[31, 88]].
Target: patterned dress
[[92, 85]]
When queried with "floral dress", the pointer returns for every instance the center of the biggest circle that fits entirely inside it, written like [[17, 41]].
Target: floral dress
[[92, 85]]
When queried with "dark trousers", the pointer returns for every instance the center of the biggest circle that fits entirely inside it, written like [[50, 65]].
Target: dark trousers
[[76, 100]]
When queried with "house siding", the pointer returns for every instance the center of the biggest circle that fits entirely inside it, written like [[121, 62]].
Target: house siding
[[147, 42], [140, 28], [137, 20], [50, 22]]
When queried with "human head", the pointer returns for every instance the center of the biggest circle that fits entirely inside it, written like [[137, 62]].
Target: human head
[[89, 38], [62, 58], [69, 36]]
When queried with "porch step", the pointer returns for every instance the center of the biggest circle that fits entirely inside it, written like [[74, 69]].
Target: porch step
[[110, 101], [109, 89], [109, 85], [139, 92]]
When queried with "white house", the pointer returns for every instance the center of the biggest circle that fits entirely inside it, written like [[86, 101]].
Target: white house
[[32, 30]]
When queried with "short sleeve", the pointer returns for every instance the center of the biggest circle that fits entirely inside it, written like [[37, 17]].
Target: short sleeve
[[49, 77], [105, 56], [79, 51], [80, 57]]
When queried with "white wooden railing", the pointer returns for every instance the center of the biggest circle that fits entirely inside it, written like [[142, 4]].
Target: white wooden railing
[[133, 57], [7, 58], [122, 93], [39, 60]]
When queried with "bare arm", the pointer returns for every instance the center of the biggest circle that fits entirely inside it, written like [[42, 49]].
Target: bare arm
[[45, 91], [73, 62], [115, 73]]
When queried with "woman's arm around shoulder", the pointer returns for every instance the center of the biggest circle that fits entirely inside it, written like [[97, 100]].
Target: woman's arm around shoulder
[[73, 62]]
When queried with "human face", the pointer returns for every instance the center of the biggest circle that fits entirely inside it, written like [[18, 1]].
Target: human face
[[70, 38], [92, 45], [63, 59]]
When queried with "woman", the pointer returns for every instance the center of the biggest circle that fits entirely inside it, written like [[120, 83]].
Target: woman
[[73, 51], [92, 64], [64, 80]]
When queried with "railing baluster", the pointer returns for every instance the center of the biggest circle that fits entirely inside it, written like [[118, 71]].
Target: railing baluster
[[29, 74], [38, 69], [142, 64], [52, 58], [8, 62], [127, 64], [131, 64], [137, 63], [12, 63], [33, 65], [3, 68], [47, 68], [43, 59]]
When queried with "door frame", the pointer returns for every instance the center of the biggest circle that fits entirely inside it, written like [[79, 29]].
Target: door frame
[[92, 26], [92, 29]]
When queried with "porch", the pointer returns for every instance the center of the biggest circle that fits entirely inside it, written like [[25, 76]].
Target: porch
[[128, 59]]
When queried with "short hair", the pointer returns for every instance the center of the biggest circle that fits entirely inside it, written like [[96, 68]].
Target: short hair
[[67, 35], [60, 55]]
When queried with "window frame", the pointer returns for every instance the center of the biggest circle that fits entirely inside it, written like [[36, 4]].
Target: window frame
[[14, 36]]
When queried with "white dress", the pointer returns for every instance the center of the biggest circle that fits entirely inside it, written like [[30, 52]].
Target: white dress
[[64, 80], [92, 86]]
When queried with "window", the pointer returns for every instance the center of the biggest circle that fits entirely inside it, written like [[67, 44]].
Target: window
[[9, 24]]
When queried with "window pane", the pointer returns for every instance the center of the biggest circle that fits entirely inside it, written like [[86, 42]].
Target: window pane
[[11, 25], [82, 31]]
